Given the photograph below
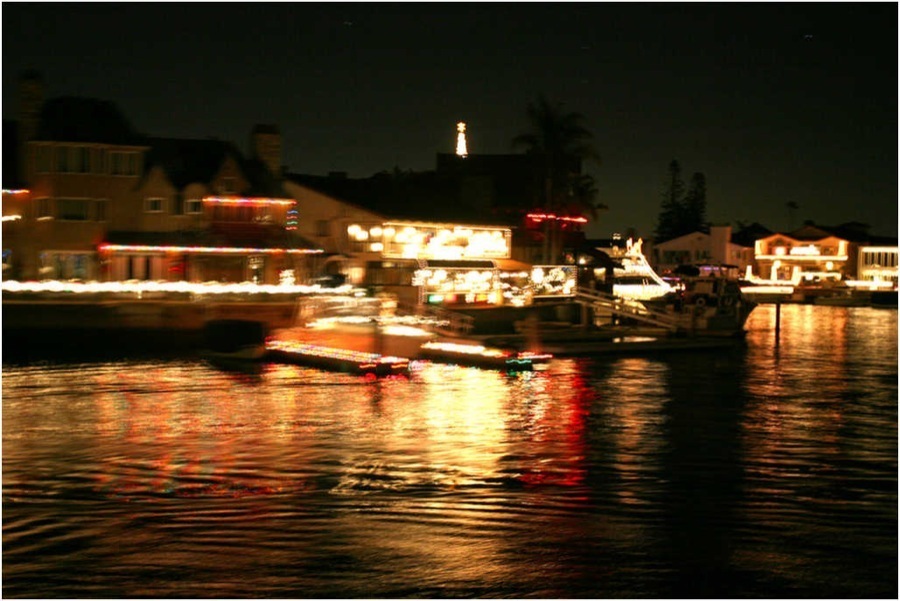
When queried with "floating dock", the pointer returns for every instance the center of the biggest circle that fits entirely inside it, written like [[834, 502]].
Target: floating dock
[[335, 359]]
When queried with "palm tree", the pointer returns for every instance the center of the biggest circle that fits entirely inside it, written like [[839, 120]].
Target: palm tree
[[562, 142]]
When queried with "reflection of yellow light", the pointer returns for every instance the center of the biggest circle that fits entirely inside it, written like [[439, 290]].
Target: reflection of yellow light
[[780, 250], [377, 247], [376, 232], [829, 265], [353, 230]]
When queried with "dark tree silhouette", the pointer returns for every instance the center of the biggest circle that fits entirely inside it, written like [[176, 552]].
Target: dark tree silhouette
[[682, 212], [562, 142]]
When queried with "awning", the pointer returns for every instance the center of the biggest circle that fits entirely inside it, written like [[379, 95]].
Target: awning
[[457, 264], [511, 265]]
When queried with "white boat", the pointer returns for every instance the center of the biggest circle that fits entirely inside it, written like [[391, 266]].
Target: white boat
[[708, 303], [632, 277]]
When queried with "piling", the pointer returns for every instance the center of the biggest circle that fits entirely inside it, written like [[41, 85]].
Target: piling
[[777, 322]]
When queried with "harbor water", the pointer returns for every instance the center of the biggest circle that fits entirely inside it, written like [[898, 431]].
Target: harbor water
[[769, 470]]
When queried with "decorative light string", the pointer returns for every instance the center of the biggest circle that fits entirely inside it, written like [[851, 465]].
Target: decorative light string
[[56, 286], [551, 217], [256, 202], [222, 250]]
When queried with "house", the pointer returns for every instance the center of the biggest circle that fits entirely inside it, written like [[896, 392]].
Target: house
[[718, 246], [103, 202], [814, 253]]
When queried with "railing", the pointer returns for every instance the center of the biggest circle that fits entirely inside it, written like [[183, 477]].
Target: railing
[[627, 308], [311, 309], [455, 323]]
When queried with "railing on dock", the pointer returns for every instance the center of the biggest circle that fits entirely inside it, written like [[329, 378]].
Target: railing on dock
[[457, 324], [627, 308], [436, 318]]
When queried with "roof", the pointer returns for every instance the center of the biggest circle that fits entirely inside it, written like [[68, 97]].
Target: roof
[[187, 161], [73, 119], [423, 196]]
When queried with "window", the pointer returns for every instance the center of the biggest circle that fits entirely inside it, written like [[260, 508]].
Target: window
[[131, 163], [83, 155], [228, 185], [153, 205], [99, 160], [43, 159], [322, 228], [193, 206], [62, 159], [100, 210], [117, 167], [73, 209], [44, 208]]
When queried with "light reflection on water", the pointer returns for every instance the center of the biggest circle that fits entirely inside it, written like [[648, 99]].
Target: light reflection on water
[[768, 471]]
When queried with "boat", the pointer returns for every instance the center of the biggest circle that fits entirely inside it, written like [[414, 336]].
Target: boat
[[631, 276], [235, 344], [708, 304], [698, 301]]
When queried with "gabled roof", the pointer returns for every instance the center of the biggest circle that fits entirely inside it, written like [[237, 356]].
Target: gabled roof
[[72, 119], [748, 235], [188, 161], [853, 231], [198, 161]]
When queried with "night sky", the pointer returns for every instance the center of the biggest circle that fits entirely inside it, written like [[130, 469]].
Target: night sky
[[773, 103]]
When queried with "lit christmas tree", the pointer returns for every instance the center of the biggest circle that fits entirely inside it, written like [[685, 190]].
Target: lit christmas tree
[[461, 139]]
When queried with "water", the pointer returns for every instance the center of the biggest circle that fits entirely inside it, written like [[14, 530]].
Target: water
[[770, 471]]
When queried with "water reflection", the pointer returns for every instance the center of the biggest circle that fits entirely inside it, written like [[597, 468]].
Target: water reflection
[[769, 471]]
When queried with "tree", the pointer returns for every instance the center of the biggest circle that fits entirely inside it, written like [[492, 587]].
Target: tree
[[670, 215], [562, 142], [695, 204], [682, 212]]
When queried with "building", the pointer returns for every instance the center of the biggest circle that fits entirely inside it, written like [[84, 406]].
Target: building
[[813, 254], [103, 202], [717, 247]]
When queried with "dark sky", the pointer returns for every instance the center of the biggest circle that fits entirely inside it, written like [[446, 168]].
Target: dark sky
[[773, 103]]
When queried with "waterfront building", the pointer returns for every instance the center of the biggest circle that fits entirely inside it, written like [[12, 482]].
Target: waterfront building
[[877, 265], [718, 246], [104, 202], [817, 254]]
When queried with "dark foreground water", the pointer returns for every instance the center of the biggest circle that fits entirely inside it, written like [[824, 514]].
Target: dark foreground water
[[764, 472]]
